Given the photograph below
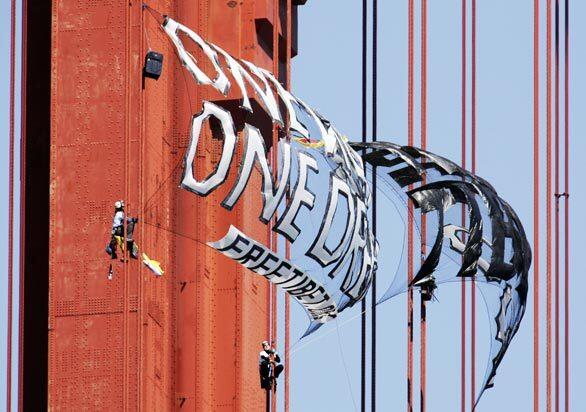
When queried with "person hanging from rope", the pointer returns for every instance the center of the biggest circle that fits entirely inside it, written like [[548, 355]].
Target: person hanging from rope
[[118, 232], [269, 366]]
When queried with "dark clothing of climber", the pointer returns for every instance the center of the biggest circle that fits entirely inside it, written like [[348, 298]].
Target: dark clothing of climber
[[269, 367], [118, 232]]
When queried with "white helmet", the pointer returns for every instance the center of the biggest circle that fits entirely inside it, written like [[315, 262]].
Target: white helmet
[[119, 204]]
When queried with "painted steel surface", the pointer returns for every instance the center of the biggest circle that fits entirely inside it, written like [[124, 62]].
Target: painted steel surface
[[191, 335]]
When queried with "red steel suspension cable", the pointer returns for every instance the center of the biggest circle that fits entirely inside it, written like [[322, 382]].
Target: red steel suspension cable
[[463, 215], [374, 216], [423, 114], [567, 206], [410, 216], [473, 169], [535, 205], [557, 211], [364, 129], [22, 199], [275, 157], [9, 299], [548, 196], [287, 245]]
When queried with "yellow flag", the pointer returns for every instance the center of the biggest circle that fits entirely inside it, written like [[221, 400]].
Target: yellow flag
[[152, 265]]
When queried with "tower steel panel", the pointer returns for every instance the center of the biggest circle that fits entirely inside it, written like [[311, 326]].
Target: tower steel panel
[[187, 340]]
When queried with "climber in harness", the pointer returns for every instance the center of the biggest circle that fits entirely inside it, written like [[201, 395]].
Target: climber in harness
[[118, 232], [269, 367]]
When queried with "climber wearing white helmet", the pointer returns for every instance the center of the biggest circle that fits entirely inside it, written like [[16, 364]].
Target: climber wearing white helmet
[[118, 232]]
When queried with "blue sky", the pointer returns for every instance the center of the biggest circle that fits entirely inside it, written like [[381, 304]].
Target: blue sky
[[326, 74]]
